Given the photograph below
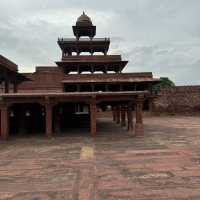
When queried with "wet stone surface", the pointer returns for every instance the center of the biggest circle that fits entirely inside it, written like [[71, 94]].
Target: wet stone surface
[[162, 165]]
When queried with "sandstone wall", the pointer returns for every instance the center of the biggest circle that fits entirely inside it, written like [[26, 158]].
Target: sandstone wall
[[43, 80], [180, 99]]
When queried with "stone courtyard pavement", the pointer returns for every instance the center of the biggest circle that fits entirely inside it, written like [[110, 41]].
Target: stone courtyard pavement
[[162, 165]]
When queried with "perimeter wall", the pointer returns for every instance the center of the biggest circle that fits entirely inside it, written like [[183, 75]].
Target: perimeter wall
[[178, 100]]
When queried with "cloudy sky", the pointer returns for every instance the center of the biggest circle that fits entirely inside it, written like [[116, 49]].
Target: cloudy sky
[[162, 36]]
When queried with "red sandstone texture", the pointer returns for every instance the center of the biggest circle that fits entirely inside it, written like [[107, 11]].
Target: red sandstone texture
[[162, 165], [42, 80], [180, 99]]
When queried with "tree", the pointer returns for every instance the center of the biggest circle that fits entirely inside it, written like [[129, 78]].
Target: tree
[[164, 83]]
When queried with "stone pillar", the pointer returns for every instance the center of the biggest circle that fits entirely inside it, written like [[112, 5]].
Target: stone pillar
[[78, 70], [106, 88], [121, 87], [118, 114], [93, 110], [6, 86], [93, 87], [139, 128], [49, 130], [63, 55], [78, 88], [15, 87], [114, 113], [123, 116], [57, 121], [22, 122], [130, 117], [4, 122]]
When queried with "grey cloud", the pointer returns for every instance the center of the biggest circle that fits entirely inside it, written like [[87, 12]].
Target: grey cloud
[[161, 36]]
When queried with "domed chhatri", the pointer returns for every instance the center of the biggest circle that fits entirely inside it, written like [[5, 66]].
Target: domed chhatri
[[84, 20], [84, 27]]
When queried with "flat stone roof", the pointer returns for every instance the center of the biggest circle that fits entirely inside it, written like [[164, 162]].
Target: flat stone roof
[[71, 94], [8, 64], [73, 97]]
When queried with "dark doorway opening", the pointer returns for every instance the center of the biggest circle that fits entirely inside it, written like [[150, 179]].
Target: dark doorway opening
[[146, 105], [71, 117], [27, 119]]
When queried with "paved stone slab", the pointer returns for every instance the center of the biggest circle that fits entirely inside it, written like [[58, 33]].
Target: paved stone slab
[[162, 165]]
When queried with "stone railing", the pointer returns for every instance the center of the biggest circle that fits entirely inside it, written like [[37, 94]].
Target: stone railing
[[83, 40]]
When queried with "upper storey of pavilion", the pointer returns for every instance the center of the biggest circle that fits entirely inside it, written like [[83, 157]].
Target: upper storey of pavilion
[[72, 45], [98, 63], [84, 28], [79, 63]]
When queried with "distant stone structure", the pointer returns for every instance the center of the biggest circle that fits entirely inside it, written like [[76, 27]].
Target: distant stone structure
[[178, 100]]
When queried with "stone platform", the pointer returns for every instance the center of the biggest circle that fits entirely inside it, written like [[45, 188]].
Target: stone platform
[[162, 165]]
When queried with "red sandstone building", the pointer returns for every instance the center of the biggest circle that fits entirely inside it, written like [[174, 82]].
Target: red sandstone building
[[54, 98]]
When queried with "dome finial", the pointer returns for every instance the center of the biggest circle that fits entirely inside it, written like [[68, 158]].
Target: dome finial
[[84, 27], [84, 20]]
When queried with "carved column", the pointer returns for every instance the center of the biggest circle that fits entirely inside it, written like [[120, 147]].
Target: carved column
[[57, 120], [106, 88], [139, 128], [123, 116], [6, 86], [93, 110], [15, 87], [92, 69], [48, 109], [121, 87], [114, 113], [93, 87], [78, 70], [130, 117], [78, 88], [22, 122], [4, 122], [118, 114]]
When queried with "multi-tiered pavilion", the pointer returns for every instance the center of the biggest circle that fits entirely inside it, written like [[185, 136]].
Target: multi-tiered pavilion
[[85, 81]]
